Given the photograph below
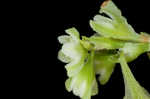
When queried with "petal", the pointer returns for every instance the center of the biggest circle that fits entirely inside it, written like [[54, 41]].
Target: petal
[[84, 84], [73, 33], [133, 90], [77, 54], [67, 84], [64, 39], [104, 21], [94, 88], [72, 52], [133, 50], [62, 57], [114, 27], [104, 63]]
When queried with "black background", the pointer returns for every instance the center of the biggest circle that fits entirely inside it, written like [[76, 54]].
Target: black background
[[44, 21]]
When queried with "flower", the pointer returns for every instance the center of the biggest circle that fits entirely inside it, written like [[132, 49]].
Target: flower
[[115, 26], [72, 52], [80, 68]]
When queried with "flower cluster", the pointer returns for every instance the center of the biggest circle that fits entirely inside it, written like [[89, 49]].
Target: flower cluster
[[115, 41]]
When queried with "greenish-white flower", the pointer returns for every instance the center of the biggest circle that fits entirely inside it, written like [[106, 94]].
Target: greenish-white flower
[[115, 41], [72, 52], [80, 67], [114, 27]]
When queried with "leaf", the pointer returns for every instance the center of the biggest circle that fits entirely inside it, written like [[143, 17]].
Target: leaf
[[114, 27], [133, 90], [84, 83]]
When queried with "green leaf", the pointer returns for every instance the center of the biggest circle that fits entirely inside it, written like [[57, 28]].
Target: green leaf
[[133, 90], [84, 83], [114, 27]]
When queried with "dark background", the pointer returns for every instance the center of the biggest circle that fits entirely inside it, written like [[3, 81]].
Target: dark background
[[44, 21]]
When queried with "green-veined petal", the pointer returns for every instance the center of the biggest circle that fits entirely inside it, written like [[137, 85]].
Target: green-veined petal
[[72, 50], [64, 39], [84, 84], [133, 90], [133, 50], [114, 27], [104, 63], [62, 57]]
